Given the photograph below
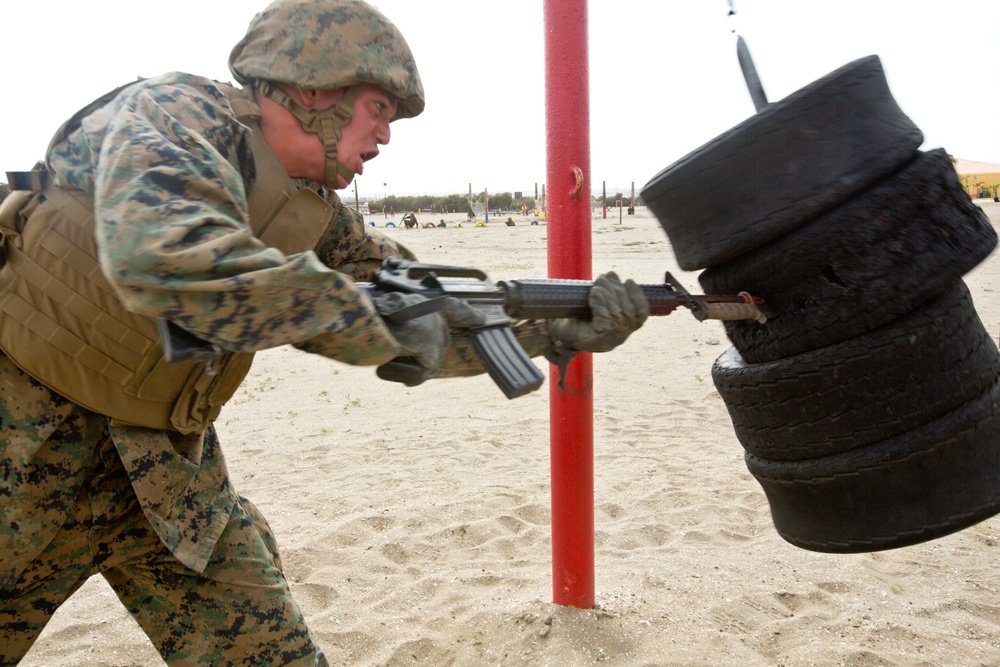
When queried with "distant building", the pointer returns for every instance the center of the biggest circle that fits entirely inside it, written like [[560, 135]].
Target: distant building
[[980, 179]]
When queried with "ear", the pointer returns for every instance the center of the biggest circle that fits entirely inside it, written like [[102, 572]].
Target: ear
[[307, 97]]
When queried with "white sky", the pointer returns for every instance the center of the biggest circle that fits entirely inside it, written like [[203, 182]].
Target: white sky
[[664, 75]]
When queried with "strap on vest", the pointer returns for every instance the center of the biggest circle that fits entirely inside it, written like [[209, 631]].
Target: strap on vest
[[17, 206], [246, 110], [33, 180], [282, 215]]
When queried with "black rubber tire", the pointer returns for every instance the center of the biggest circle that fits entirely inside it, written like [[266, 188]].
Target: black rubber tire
[[859, 266], [783, 166], [863, 390], [923, 484]]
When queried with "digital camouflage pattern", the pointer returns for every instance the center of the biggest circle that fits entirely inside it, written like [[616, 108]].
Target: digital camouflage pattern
[[168, 164], [65, 486], [41, 471], [327, 45], [175, 240]]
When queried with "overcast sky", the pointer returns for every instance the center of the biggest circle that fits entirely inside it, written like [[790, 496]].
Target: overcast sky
[[664, 75]]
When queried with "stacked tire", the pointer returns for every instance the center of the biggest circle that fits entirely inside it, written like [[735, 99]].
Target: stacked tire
[[869, 403]]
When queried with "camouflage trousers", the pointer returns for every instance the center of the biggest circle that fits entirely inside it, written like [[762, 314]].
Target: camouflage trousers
[[238, 611]]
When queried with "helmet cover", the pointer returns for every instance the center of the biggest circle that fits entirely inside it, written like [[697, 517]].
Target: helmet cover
[[329, 44]]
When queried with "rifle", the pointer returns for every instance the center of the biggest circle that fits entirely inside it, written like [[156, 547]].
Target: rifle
[[501, 302], [493, 341]]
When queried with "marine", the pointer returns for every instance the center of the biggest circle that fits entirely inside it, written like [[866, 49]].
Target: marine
[[212, 207]]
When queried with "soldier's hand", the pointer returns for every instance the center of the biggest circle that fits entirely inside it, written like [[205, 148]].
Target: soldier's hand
[[617, 309], [424, 339]]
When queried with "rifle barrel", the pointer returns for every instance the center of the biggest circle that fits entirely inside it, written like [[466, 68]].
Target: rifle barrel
[[552, 298]]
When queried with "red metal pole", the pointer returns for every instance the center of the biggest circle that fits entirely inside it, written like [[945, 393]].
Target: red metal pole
[[567, 111]]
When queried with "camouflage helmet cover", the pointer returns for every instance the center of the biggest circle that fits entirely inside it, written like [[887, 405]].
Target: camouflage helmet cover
[[327, 44]]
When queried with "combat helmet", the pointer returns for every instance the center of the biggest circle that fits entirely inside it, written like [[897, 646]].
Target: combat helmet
[[327, 44]]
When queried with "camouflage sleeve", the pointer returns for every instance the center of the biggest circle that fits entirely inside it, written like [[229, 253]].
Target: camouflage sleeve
[[174, 239], [352, 248], [349, 247]]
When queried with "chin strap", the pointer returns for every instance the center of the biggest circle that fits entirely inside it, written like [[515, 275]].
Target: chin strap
[[326, 123]]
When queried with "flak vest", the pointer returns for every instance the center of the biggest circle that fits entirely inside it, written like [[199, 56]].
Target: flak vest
[[62, 323]]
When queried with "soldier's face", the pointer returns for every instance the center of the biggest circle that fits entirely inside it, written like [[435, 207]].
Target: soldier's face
[[302, 152], [367, 130]]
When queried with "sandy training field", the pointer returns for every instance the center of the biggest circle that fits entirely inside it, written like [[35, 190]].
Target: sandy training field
[[414, 522]]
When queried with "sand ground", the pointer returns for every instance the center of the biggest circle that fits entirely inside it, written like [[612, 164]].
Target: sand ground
[[414, 522]]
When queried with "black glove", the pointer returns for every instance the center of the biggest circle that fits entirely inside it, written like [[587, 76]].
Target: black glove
[[424, 339]]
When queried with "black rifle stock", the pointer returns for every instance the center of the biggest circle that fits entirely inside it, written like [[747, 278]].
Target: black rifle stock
[[493, 341]]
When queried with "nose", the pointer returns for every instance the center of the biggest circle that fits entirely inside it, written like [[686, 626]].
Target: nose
[[382, 133]]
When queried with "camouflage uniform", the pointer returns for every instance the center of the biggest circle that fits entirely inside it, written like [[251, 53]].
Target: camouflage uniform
[[153, 510], [82, 512]]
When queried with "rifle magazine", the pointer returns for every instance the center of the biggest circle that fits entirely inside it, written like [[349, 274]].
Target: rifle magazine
[[506, 361]]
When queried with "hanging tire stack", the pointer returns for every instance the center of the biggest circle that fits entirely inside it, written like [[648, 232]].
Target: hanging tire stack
[[869, 403]]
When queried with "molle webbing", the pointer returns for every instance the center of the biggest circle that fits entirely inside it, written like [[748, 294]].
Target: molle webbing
[[63, 324]]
